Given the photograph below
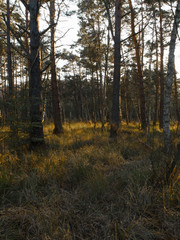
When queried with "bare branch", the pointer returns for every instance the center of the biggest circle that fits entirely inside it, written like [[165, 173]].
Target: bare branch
[[106, 3], [64, 34], [20, 53], [58, 15], [25, 4], [17, 37], [13, 7], [45, 68], [50, 26], [132, 35], [25, 31]]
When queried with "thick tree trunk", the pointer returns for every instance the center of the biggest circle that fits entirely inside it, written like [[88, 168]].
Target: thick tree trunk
[[55, 96], [115, 120], [166, 122], [140, 74], [36, 128]]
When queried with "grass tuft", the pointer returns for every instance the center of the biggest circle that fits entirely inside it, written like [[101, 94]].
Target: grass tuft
[[81, 186]]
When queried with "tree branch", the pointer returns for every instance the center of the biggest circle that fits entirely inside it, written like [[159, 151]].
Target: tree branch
[[106, 3], [23, 28], [25, 4], [50, 26], [45, 68], [63, 34], [17, 38], [20, 53], [132, 35]]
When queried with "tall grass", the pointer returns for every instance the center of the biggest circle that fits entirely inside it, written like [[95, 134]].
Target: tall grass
[[82, 186]]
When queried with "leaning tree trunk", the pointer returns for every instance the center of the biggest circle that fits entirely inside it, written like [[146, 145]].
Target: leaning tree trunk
[[36, 128], [115, 119], [166, 122], [55, 95]]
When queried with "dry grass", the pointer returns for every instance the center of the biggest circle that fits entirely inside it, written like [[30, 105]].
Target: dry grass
[[81, 186]]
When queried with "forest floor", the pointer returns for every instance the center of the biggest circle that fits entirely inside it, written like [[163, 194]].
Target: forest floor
[[83, 186]]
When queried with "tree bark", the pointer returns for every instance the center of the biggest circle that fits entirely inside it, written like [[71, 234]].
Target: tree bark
[[10, 75], [157, 75], [140, 74], [93, 106], [105, 88], [161, 109], [115, 120], [55, 95], [176, 96], [166, 122], [36, 128]]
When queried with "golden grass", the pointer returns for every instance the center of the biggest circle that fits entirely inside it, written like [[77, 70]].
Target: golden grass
[[82, 186]]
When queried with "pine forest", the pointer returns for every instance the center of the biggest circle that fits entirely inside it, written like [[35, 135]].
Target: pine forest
[[89, 119]]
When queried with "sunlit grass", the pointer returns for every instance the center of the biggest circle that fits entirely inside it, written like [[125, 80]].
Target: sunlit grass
[[83, 186]]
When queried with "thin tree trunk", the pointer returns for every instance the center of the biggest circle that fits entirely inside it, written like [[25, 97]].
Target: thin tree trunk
[[176, 96], [80, 94], [55, 95], [99, 94], [100, 76], [161, 109], [115, 120], [157, 77], [105, 103], [140, 74], [10, 75], [150, 87], [93, 111], [166, 123], [126, 99]]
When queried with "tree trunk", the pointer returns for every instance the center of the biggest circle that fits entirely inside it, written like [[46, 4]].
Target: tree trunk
[[105, 87], [36, 128], [176, 96], [157, 77], [93, 111], [115, 120], [10, 75], [140, 74], [55, 96], [166, 123], [161, 109]]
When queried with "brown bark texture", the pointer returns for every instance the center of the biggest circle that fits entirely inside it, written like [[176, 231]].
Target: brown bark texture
[[161, 109], [55, 95], [10, 75], [170, 73], [140, 74], [36, 128], [115, 119]]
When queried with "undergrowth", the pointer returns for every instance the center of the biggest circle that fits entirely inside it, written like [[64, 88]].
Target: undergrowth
[[83, 186]]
